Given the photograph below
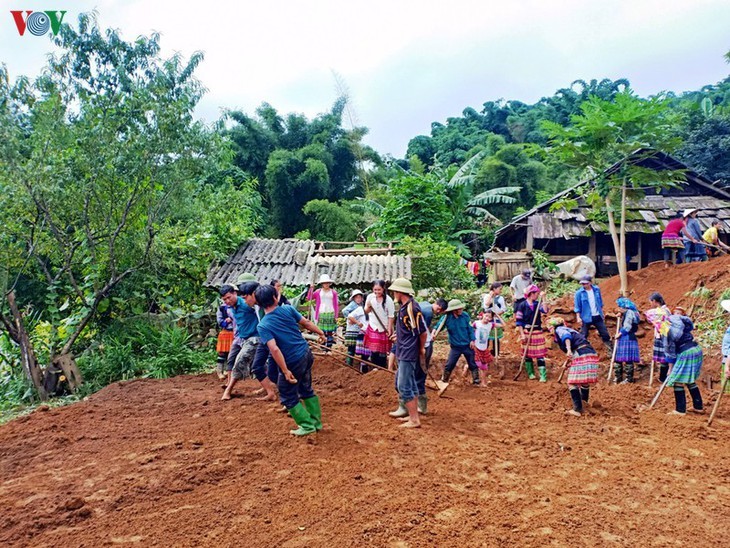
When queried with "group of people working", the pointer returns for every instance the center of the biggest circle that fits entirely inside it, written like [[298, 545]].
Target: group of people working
[[683, 239], [261, 334]]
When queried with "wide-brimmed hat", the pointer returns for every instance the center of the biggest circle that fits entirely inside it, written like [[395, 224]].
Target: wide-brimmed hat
[[355, 294], [246, 277], [689, 211], [454, 304], [725, 304], [402, 285], [325, 279]]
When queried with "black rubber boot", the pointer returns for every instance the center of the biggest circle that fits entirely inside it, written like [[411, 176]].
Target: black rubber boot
[[475, 376], [694, 391], [663, 372], [446, 375], [584, 393], [680, 400], [619, 373], [630, 372], [577, 401]]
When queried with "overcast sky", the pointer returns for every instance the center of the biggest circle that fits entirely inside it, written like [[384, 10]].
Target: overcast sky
[[408, 63]]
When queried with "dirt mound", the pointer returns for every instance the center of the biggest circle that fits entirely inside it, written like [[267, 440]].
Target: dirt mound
[[165, 462]]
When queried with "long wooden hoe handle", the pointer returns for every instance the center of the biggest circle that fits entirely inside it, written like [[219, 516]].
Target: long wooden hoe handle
[[615, 346], [529, 337], [717, 402]]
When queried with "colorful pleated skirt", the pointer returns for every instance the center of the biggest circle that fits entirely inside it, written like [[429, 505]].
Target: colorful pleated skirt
[[658, 355], [536, 345], [483, 358], [627, 350], [687, 368], [360, 349], [327, 322], [583, 369], [225, 339], [351, 338], [672, 242], [377, 341]]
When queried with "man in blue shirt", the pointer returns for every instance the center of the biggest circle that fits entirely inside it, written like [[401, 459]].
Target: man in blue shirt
[[461, 340], [279, 331], [588, 307], [245, 320], [411, 335]]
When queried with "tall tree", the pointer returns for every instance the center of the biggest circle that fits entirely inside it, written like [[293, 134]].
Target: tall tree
[[607, 132]]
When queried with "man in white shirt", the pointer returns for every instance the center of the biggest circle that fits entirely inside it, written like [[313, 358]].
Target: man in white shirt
[[518, 286]]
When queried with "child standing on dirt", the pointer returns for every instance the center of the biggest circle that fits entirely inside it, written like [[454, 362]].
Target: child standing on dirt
[[583, 368], [627, 346], [483, 357], [225, 339], [279, 331]]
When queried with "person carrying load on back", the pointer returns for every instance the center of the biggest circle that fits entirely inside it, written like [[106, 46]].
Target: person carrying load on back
[[686, 355], [529, 323], [583, 368], [225, 339], [627, 346], [658, 316]]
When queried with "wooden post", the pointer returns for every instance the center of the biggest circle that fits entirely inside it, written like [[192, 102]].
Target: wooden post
[[27, 355], [592, 248], [639, 258], [530, 240]]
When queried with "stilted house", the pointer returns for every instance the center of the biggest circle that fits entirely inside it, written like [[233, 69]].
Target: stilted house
[[301, 262], [565, 233]]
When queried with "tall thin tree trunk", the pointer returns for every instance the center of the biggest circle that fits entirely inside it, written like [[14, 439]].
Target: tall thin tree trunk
[[622, 266], [27, 355], [614, 232]]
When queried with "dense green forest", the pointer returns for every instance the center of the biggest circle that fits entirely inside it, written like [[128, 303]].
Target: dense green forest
[[115, 200]]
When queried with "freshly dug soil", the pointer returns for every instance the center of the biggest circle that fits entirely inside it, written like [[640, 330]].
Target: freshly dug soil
[[166, 463]]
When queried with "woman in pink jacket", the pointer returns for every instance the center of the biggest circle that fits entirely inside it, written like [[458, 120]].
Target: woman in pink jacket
[[326, 307]]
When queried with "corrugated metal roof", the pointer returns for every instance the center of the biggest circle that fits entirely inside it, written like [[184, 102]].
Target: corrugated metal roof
[[293, 263]]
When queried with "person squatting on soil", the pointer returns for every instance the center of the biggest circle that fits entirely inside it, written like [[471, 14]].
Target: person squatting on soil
[[483, 328], [494, 301], [627, 345], [583, 368], [588, 307], [725, 373], [381, 313], [461, 340], [534, 344], [411, 336], [686, 355], [658, 316], [245, 320], [355, 330], [326, 307], [518, 285], [225, 339], [279, 331]]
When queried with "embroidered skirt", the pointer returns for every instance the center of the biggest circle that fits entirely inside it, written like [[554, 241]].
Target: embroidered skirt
[[672, 242], [536, 345], [225, 339], [658, 355], [583, 369], [627, 350], [327, 322], [498, 333], [687, 368], [360, 349], [351, 338], [483, 358], [377, 341]]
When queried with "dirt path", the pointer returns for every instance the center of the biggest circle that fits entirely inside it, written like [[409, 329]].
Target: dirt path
[[160, 463]]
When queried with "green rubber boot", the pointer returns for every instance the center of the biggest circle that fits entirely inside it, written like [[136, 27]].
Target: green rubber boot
[[315, 411], [303, 419], [543, 374], [423, 404], [530, 369], [401, 411]]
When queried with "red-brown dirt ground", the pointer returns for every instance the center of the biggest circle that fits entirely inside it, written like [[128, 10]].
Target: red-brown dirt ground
[[165, 463]]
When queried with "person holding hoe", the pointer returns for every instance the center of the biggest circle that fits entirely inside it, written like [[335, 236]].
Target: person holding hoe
[[529, 323], [686, 355], [658, 316], [494, 302], [583, 368], [279, 331], [627, 346], [380, 311], [726, 351], [461, 340], [711, 236], [411, 334]]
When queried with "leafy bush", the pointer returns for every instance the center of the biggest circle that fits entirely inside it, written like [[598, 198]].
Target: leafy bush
[[436, 264]]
